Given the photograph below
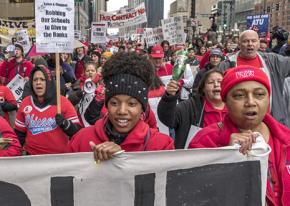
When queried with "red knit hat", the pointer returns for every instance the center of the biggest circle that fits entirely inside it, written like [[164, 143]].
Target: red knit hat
[[240, 74]]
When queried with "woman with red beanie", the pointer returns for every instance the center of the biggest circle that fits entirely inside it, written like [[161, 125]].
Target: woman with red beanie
[[246, 92], [127, 77]]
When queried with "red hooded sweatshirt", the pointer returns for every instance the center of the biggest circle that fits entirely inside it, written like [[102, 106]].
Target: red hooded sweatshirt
[[218, 135], [135, 141]]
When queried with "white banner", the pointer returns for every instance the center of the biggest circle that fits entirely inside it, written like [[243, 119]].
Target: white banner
[[153, 36], [165, 178], [125, 17], [54, 26], [99, 32], [9, 27], [23, 39], [173, 30], [16, 85]]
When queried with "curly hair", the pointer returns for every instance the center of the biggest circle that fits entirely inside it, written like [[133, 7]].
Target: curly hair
[[129, 63]]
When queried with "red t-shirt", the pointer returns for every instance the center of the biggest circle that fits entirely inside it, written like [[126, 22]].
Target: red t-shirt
[[43, 135], [255, 62]]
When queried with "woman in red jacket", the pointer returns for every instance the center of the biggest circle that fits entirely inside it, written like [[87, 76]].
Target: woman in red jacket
[[246, 92], [127, 77]]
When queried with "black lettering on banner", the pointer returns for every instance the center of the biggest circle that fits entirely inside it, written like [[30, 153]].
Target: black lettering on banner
[[144, 190], [236, 184], [61, 191], [12, 195]]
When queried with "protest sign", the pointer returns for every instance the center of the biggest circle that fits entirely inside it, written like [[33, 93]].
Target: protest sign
[[8, 28], [259, 23], [153, 102], [16, 85], [125, 17], [78, 35], [173, 30], [99, 32], [221, 176], [153, 36], [23, 39], [54, 26]]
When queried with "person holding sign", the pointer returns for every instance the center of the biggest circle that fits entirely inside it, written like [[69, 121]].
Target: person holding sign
[[127, 77], [246, 92], [17, 65], [38, 126]]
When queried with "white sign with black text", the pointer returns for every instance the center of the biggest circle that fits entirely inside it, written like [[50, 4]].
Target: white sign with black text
[[99, 32], [54, 26]]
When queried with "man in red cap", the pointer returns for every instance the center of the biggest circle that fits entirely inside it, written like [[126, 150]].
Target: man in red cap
[[17, 65], [157, 58]]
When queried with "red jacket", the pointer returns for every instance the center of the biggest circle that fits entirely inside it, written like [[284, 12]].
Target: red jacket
[[218, 135], [134, 141], [8, 69], [14, 149]]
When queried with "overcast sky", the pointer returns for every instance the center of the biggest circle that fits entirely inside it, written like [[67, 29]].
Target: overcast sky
[[116, 4]]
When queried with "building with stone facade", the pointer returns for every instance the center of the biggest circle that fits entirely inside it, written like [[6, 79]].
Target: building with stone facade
[[278, 10]]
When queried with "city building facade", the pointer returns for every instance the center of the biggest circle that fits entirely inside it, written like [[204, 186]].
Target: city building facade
[[278, 10]]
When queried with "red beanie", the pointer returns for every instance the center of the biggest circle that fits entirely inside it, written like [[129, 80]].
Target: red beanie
[[240, 74]]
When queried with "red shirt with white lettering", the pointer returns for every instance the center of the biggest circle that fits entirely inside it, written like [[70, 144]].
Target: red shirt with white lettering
[[43, 135]]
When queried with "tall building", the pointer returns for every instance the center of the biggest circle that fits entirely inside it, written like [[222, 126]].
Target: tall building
[[17, 9], [278, 10], [82, 17], [183, 8], [155, 10], [203, 12]]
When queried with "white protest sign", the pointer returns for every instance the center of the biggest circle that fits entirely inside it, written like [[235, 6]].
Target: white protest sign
[[16, 85], [153, 102], [54, 26], [23, 39], [173, 30], [98, 32], [9, 27], [153, 36], [164, 178], [125, 17], [78, 35]]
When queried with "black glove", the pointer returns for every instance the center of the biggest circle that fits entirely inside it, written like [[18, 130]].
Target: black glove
[[67, 126], [8, 107], [61, 121]]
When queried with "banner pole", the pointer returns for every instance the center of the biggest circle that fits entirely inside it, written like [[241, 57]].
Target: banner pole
[[57, 73]]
